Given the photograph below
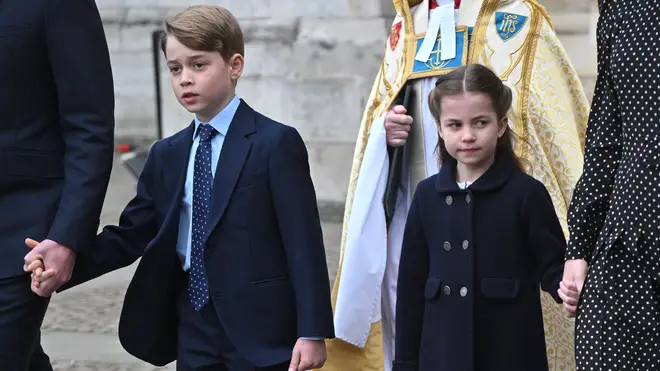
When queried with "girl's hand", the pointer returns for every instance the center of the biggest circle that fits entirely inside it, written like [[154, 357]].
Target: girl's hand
[[569, 294]]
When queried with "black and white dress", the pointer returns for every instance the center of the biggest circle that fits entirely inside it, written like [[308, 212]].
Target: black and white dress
[[614, 218]]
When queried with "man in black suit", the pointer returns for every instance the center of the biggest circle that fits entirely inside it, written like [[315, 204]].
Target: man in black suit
[[56, 144]]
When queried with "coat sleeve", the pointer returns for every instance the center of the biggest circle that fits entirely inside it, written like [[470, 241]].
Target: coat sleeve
[[118, 246], [80, 64], [413, 273], [591, 198], [294, 200], [545, 237]]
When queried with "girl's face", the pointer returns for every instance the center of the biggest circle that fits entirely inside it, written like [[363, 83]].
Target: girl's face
[[470, 128]]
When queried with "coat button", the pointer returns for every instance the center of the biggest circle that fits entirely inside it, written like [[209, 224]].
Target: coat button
[[468, 198], [447, 290], [463, 291], [465, 244], [449, 200], [447, 245]]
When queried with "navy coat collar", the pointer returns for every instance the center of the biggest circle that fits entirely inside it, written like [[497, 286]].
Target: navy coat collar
[[495, 177]]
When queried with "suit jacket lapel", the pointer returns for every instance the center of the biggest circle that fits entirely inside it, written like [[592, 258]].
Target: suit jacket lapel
[[235, 150]]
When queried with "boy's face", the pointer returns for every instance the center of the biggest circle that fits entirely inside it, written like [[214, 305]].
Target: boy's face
[[203, 82]]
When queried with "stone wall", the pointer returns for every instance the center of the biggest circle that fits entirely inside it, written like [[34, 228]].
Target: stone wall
[[309, 63]]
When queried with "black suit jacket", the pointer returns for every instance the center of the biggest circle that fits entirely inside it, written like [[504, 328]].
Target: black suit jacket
[[265, 260], [56, 124]]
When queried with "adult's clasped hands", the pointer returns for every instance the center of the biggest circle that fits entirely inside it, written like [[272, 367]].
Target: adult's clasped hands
[[570, 288], [51, 265]]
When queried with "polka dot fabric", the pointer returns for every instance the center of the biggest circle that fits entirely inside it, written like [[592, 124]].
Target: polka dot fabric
[[614, 217], [202, 183]]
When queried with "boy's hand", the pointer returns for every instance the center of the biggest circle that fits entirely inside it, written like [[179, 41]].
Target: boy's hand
[[397, 126], [307, 355], [569, 294], [39, 272]]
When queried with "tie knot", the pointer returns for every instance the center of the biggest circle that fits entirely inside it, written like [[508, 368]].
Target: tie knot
[[206, 132]]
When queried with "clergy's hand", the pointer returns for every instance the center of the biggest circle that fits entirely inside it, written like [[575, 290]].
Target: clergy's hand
[[397, 126], [308, 355]]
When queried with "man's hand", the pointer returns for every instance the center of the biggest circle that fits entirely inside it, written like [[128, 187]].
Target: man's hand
[[397, 126], [575, 273], [307, 355], [58, 260]]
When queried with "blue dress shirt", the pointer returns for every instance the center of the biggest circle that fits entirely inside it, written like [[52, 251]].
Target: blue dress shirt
[[220, 123]]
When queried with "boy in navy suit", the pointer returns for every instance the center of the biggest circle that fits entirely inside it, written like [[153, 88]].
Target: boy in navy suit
[[233, 273]]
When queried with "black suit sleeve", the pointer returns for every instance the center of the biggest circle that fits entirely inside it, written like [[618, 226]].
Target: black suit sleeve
[[297, 214], [118, 246], [410, 305], [545, 237], [80, 64]]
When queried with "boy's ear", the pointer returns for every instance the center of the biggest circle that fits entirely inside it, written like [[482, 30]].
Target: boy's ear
[[236, 63]]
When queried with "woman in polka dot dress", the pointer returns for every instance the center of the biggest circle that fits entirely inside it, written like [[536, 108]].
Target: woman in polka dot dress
[[614, 218]]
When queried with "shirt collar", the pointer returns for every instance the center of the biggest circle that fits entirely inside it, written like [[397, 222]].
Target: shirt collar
[[221, 121]]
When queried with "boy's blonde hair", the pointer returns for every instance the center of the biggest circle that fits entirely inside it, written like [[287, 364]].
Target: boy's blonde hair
[[206, 28]]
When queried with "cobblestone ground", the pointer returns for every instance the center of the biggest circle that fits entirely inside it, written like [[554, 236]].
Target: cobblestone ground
[[79, 332]]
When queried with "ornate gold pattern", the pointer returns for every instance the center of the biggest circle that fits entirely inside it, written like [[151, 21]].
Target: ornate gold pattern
[[529, 56]]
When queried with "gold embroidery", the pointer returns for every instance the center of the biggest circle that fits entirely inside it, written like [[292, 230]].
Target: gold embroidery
[[509, 26], [439, 63], [528, 67], [440, 70], [487, 9]]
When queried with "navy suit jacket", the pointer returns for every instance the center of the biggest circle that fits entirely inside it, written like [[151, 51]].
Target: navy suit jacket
[[265, 258], [56, 125]]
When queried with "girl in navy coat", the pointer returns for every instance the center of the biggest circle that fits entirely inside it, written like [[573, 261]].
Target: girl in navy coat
[[481, 239]]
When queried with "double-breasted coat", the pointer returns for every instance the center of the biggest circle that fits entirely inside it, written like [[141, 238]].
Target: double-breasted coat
[[472, 265]]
